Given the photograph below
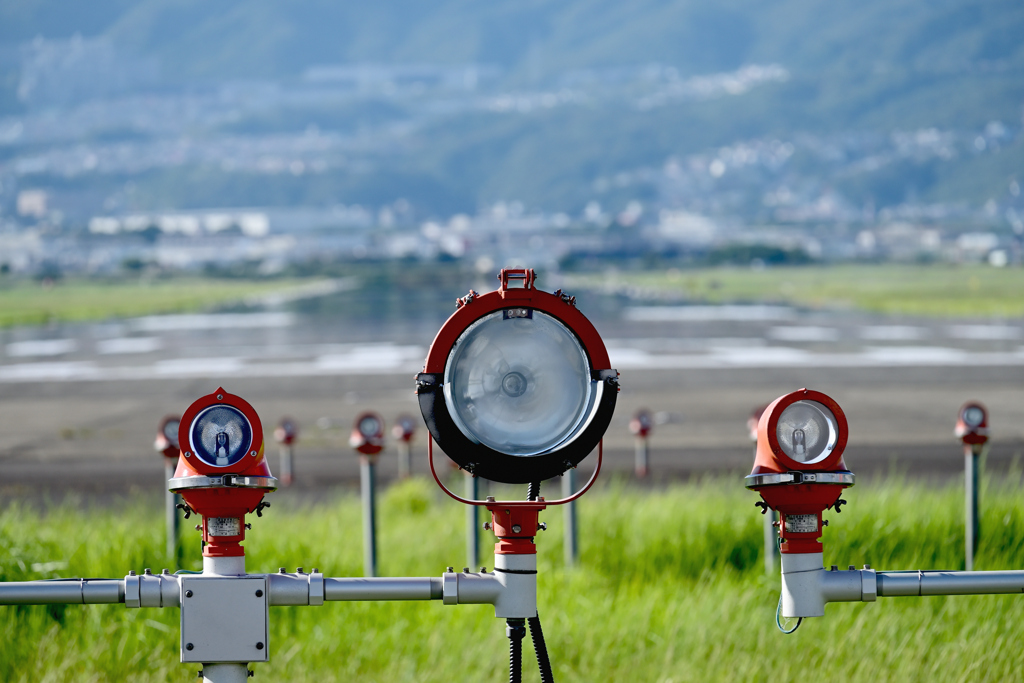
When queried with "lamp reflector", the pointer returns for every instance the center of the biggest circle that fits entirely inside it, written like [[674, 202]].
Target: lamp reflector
[[807, 431], [220, 435], [518, 381]]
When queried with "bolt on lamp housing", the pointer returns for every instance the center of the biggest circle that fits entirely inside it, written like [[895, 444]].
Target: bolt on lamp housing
[[517, 386], [222, 474], [798, 466], [972, 424]]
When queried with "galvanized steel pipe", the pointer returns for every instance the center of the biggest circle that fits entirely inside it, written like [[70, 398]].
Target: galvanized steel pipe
[[891, 584], [425, 588], [62, 591]]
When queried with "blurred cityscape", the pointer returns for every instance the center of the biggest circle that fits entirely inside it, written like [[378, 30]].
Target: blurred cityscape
[[101, 157]]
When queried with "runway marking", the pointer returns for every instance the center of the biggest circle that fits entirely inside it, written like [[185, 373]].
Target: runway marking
[[128, 345], [804, 333], [893, 333], [984, 332], [211, 321], [41, 347], [708, 313]]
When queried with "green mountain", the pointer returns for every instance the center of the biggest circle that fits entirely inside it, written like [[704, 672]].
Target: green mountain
[[863, 68]]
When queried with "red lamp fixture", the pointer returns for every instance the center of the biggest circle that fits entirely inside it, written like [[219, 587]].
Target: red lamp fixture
[[404, 428], [367, 433], [222, 474], [286, 431], [798, 465], [641, 424], [166, 442], [972, 424]]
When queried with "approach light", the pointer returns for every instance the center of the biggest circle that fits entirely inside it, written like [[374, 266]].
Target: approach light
[[517, 386], [641, 424], [286, 431], [972, 424], [798, 464], [404, 428], [367, 433], [753, 420], [222, 474], [166, 442]]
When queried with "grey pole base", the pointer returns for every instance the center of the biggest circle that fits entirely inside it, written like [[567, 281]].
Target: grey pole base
[[368, 488], [971, 526], [640, 465]]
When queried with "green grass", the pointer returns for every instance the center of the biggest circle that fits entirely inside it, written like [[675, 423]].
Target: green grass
[[30, 303], [671, 588], [927, 290]]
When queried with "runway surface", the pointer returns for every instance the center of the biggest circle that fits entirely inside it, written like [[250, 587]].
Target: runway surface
[[80, 404]]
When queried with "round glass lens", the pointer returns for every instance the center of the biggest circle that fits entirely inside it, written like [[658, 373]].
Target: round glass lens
[[518, 381], [369, 426], [807, 432], [220, 436], [171, 431], [973, 416]]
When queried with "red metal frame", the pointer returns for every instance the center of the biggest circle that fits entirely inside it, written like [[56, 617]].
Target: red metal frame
[[506, 297], [514, 503]]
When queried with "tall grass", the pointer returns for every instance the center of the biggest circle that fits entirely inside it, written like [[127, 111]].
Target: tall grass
[[670, 588]]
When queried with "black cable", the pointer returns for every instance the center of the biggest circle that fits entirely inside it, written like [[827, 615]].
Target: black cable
[[541, 649], [533, 493], [515, 629]]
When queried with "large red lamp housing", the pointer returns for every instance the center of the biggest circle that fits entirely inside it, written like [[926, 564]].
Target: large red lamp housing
[[517, 386]]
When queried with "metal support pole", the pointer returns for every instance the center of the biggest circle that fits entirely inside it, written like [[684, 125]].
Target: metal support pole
[[971, 527], [472, 522], [640, 464], [286, 465], [171, 501], [404, 459], [771, 545], [569, 515], [368, 485]]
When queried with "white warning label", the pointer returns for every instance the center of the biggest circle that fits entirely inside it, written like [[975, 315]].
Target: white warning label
[[224, 526], [801, 524]]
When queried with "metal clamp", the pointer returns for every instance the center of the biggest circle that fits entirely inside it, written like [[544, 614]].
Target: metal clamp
[[132, 590], [316, 588], [842, 478], [222, 481], [868, 585]]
